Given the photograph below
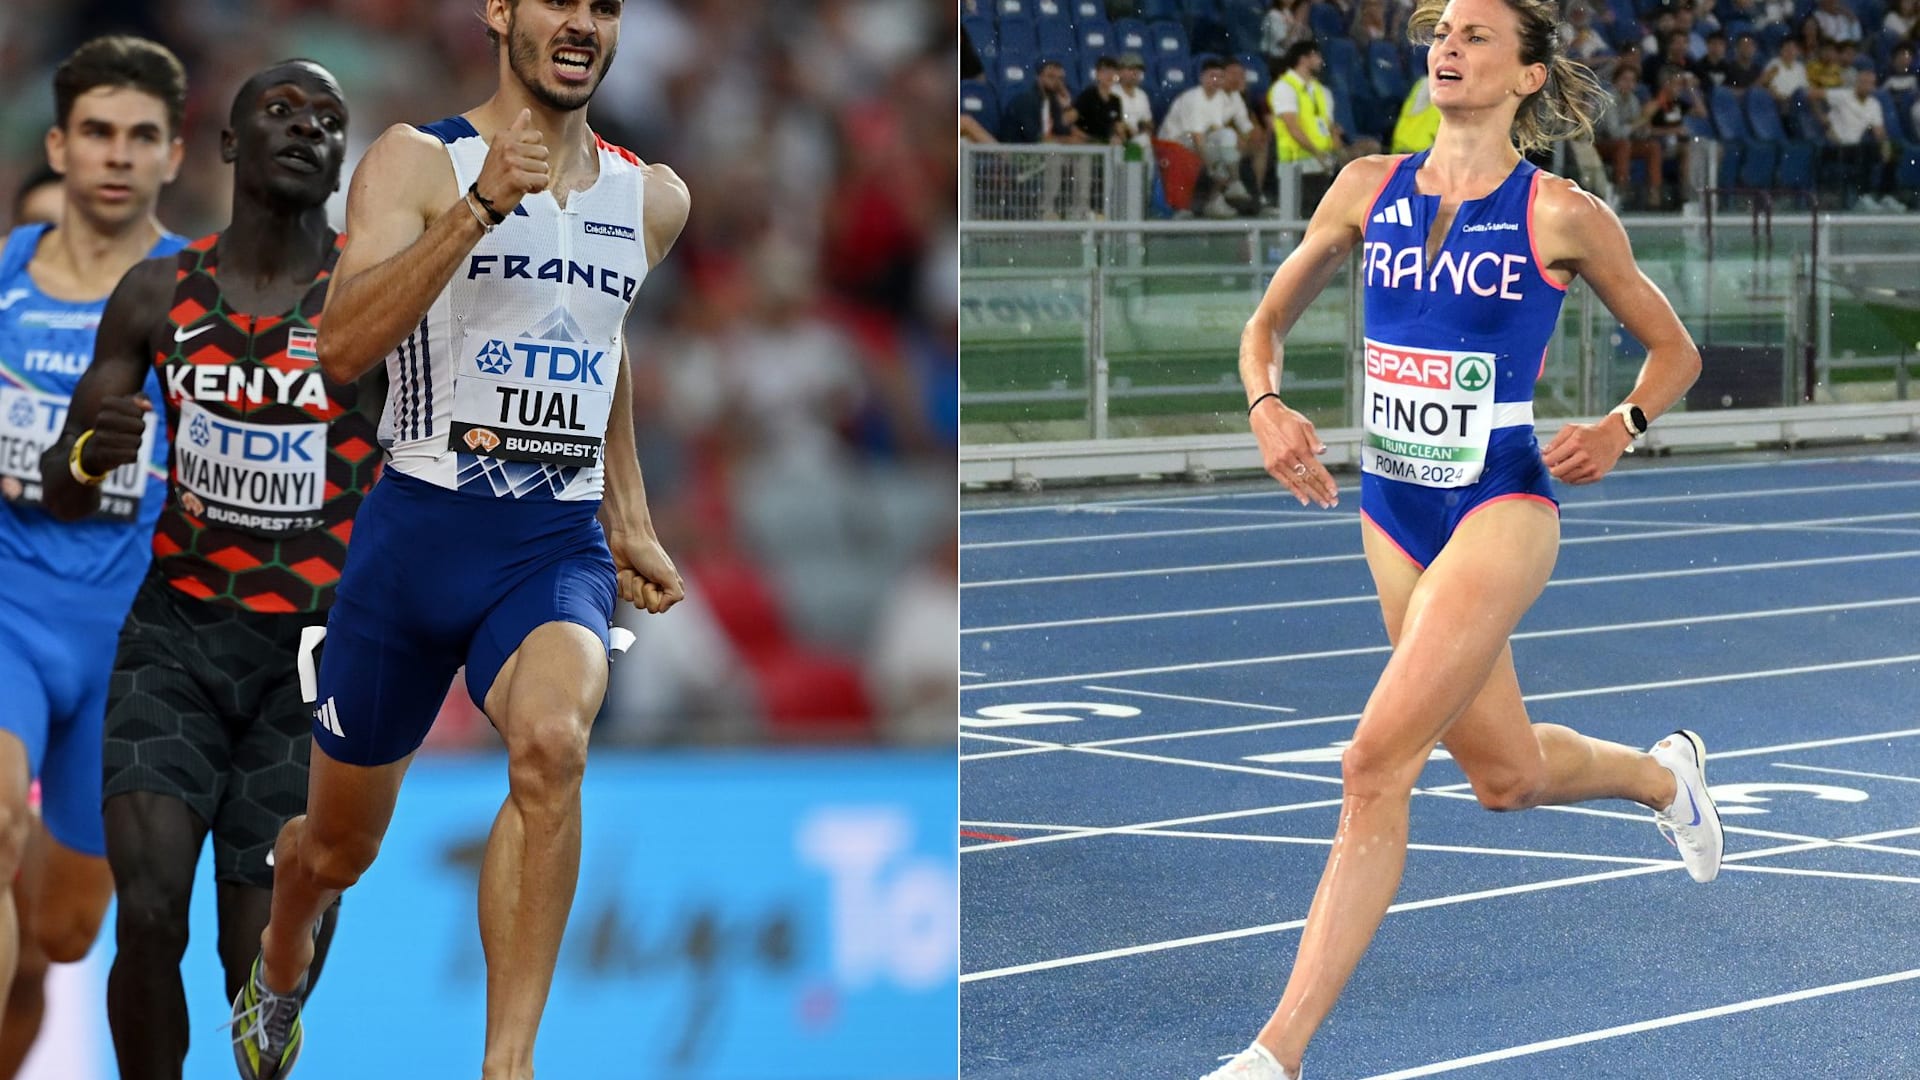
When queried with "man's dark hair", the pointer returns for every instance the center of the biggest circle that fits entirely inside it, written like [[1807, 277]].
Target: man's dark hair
[[41, 176], [1297, 52], [1715, 34], [122, 61], [1212, 63], [1106, 62], [1042, 66]]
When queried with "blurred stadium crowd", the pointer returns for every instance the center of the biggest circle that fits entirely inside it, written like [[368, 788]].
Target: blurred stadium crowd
[[795, 357], [1814, 97]]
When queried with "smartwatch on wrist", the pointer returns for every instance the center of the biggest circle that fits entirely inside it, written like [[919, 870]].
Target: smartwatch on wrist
[[1634, 417]]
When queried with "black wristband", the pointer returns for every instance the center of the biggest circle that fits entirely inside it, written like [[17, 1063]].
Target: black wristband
[[473, 189], [1256, 401]]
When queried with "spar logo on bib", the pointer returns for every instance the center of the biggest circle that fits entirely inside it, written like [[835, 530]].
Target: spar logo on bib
[[1428, 370]]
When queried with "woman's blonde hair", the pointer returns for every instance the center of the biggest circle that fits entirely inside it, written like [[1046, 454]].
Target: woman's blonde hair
[[1572, 99]]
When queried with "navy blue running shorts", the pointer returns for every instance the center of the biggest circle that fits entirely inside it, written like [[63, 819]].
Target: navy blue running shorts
[[435, 579]]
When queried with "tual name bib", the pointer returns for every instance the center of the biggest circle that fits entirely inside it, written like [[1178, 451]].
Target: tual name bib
[[269, 479], [533, 399], [1429, 414], [30, 422]]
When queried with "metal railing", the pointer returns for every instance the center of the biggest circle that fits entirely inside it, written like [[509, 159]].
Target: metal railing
[[1125, 331]]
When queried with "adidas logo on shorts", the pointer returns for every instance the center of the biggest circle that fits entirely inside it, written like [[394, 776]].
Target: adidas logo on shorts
[[329, 717]]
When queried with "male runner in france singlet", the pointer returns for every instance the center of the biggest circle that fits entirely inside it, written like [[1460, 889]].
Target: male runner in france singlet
[[494, 258], [1455, 340]]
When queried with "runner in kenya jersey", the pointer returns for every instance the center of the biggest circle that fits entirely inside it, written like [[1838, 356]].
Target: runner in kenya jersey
[[207, 728]]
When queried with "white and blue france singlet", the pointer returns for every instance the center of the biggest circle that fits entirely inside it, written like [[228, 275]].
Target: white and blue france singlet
[[1455, 342], [45, 346], [504, 389]]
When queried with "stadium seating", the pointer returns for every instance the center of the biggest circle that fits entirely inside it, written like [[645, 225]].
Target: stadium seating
[[1095, 40], [1131, 36], [1166, 41], [985, 38], [1796, 156], [978, 100]]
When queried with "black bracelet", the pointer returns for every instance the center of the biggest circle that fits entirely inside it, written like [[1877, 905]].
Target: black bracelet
[[486, 204], [1261, 398]]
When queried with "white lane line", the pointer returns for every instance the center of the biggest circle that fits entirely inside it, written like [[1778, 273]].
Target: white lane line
[[1528, 635], [1355, 556], [1848, 772], [973, 674], [1412, 905], [1644, 473], [1371, 598], [1198, 819], [1815, 744], [1016, 740], [1645, 1025], [1295, 924], [1022, 752], [1845, 875], [1020, 825], [1449, 849], [1575, 508], [1195, 700]]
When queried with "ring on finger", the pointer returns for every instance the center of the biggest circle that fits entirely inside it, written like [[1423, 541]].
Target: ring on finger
[[1299, 469]]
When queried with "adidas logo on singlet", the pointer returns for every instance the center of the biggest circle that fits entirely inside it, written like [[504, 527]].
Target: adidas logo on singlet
[[1400, 213]]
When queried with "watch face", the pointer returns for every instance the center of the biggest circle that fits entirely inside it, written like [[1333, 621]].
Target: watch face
[[1639, 419]]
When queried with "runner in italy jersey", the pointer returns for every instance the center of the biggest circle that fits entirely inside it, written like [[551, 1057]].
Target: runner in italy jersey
[[207, 725], [115, 140]]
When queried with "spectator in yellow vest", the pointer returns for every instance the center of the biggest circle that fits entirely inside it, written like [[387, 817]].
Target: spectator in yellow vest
[[1304, 129], [1419, 121]]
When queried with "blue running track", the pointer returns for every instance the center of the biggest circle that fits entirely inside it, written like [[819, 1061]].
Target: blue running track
[[1156, 692]]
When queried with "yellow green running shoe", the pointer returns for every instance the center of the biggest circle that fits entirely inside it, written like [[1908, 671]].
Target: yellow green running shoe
[[266, 1030]]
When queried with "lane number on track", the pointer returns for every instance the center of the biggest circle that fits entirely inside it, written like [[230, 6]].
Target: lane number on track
[[1739, 798], [1015, 714]]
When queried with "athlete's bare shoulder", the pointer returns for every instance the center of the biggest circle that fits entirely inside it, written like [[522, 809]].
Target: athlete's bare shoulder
[[667, 205], [1569, 222], [1346, 202], [407, 166]]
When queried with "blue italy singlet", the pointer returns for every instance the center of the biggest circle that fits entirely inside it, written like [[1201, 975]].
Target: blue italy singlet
[[1453, 347], [45, 346], [64, 587]]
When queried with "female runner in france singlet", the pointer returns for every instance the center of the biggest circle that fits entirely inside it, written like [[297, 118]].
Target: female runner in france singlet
[[1454, 343]]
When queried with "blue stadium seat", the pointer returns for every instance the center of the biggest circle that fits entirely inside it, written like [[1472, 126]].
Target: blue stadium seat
[[1095, 39], [1343, 62], [1415, 62], [1166, 39], [1046, 11], [1257, 78], [978, 100], [1170, 81], [1130, 36], [1801, 121], [986, 39], [1017, 38], [1243, 26], [1086, 11], [1730, 127], [1795, 171], [1017, 9], [1009, 79], [1057, 42], [1160, 10], [1326, 22], [1388, 81]]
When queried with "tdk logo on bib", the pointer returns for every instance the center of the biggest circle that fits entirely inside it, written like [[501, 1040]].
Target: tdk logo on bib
[[251, 443], [545, 361], [21, 412]]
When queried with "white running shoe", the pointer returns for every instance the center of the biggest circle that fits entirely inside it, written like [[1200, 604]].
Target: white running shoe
[[1254, 1063], [1692, 823]]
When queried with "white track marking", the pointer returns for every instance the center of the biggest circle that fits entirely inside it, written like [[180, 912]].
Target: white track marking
[[1848, 772], [1527, 635], [1195, 700], [1646, 1025], [1199, 819], [1413, 905], [1846, 875], [1370, 598], [1450, 849], [1356, 556]]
